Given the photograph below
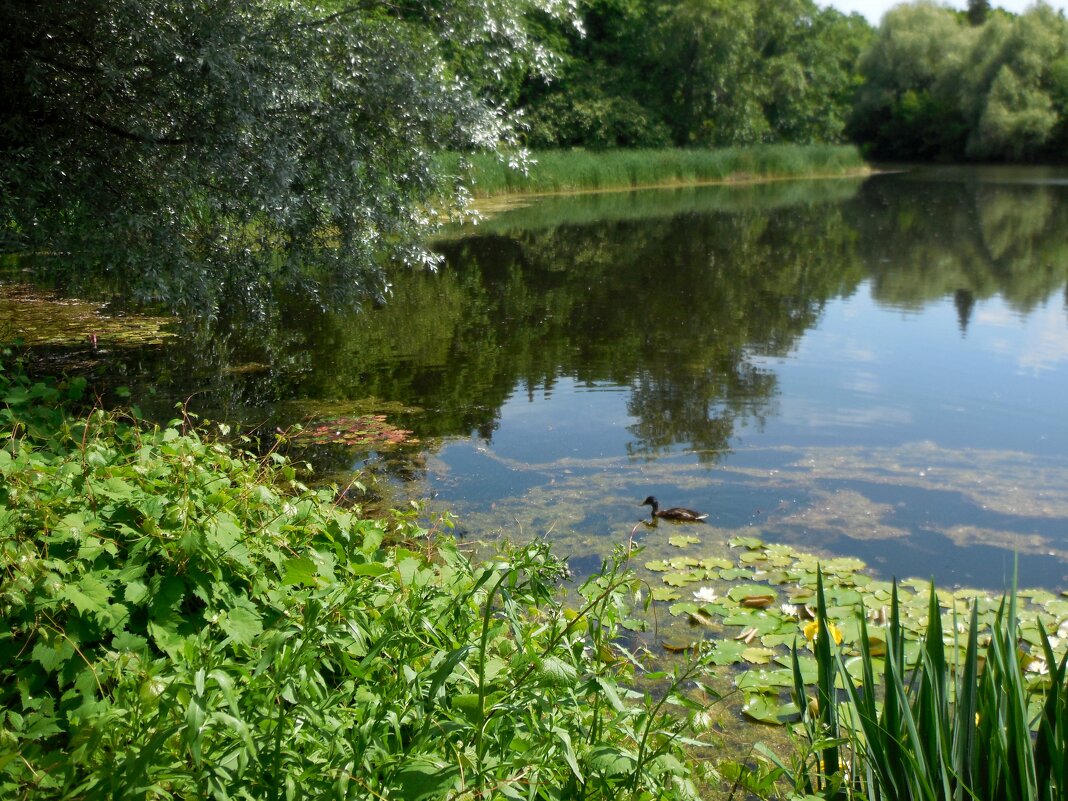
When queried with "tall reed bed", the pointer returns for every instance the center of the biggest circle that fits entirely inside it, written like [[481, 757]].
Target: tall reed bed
[[584, 170], [962, 721]]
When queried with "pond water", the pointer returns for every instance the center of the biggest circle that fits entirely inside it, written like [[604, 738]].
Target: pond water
[[869, 367]]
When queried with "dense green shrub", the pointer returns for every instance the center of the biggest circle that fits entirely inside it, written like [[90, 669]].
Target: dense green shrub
[[181, 620]]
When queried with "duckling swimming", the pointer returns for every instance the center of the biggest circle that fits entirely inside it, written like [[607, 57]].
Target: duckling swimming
[[674, 513]]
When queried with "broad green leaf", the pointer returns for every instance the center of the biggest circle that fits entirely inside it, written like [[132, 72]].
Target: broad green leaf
[[610, 760], [242, 623], [89, 595], [51, 655], [223, 531], [135, 592], [300, 571], [420, 778]]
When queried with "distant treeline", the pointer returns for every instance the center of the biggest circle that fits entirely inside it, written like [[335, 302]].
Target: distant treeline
[[927, 83]]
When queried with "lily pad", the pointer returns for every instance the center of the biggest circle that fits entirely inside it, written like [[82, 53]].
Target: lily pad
[[761, 621], [752, 557], [728, 652], [768, 709], [664, 594], [716, 563], [779, 638], [736, 573], [757, 655], [683, 608], [682, 579], [366, 431], [683, 540], [765, 681], [743, 592]]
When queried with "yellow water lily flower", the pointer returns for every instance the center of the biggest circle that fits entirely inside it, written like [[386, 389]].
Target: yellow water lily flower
[[811, 629]]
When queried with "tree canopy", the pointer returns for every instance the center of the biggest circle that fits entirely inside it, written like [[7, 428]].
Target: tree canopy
[[700, 72], [196, 144], [983, 84]]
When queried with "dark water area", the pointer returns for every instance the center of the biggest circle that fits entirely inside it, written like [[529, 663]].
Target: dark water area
[[872, 367]]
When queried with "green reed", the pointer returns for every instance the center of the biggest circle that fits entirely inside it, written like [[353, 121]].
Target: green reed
[[953, 724], [587, 170]]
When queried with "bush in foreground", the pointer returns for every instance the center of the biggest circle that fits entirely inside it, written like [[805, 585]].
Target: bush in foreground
[[179, 619]]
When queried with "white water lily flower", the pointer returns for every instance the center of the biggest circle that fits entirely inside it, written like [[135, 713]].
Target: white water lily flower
[[1037, 666], [705, 595], [790, 610]]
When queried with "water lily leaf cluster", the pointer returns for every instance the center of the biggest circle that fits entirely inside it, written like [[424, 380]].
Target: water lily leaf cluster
[[42, 318], [755, 606]]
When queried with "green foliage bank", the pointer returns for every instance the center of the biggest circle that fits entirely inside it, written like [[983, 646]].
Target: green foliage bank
[[707, 73], [181, 620], [943, 85]]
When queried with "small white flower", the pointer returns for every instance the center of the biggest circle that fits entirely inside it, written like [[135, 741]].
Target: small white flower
[[705, 595], [790, 610]]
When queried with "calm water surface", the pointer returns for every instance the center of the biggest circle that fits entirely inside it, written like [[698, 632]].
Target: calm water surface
[[875, 368]]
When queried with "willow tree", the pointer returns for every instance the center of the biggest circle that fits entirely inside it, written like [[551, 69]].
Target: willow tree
[[1015, 86], [184, 146], [907, 106], [738, 72]]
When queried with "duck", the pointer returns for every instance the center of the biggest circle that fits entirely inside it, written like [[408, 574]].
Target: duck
[[674, 513]]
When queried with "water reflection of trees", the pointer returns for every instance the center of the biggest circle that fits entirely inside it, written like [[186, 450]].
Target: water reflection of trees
[[678, 307], [966, 240]]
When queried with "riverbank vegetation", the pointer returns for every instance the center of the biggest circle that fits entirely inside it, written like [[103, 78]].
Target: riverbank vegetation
[[551, 171], [182, 619], [128, 157], [927, 83]]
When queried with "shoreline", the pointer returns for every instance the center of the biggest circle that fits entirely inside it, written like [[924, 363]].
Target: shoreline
[[498, 202]]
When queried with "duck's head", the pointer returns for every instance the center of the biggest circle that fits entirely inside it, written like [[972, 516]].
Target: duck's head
[[650, 501]]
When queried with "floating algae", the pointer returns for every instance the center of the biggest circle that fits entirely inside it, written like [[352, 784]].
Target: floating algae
[[36, 317]]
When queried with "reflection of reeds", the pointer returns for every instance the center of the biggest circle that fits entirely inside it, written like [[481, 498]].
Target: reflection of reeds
[[952, 724], [582, 170], [654, 203]]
